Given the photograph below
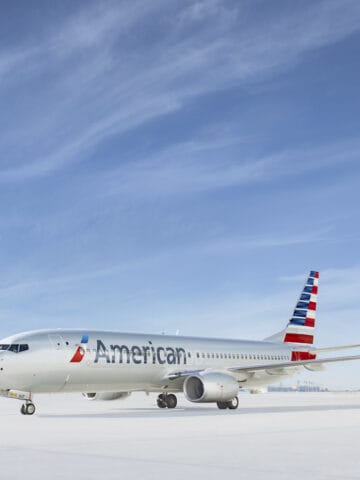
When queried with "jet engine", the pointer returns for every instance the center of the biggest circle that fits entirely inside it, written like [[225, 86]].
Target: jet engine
[[210, 387], [106, 396]]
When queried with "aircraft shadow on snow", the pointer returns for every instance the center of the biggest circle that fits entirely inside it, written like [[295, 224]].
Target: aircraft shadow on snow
[[200, 412]]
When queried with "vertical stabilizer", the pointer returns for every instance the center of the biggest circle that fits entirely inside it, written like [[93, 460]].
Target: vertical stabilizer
[[300, 329]]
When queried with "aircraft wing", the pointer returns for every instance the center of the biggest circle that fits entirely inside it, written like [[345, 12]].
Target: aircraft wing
[[186, 373], [283, 365], [332, 349], [275, 367]]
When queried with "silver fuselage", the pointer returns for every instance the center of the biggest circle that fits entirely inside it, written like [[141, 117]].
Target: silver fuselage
[[118, 362]]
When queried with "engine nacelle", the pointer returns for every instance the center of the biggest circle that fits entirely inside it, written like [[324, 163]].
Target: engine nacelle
[[210, 387], [106, 396]]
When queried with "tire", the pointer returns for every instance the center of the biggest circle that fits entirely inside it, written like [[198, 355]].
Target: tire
[[30, 409], [171, 400], [233, 404], [23, 409], [222, 405], [161, 402]]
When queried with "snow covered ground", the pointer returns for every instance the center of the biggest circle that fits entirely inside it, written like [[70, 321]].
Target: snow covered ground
[[272, 436]]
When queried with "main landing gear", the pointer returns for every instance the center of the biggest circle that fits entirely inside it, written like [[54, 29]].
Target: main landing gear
[[28, 408], [166, 400], [231, 404]]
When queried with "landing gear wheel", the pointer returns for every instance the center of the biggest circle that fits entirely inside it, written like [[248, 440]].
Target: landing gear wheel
[[171, 400], [233, 404], [30, 409], [161, 402], [222, 405]]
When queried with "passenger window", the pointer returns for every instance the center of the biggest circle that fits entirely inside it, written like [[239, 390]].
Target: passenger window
[[198, 356]]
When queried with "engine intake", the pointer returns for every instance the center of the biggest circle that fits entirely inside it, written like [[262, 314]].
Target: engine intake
[[210, 387]]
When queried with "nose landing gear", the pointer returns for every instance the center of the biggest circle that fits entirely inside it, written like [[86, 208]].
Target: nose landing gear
[[28, 408], [166, 400]]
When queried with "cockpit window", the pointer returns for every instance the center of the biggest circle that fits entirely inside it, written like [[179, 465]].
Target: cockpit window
[[15, 347]]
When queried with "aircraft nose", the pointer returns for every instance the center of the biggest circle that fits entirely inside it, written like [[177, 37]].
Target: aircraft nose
[[2, 362], [5, 374], [2, 371], [2, 357]]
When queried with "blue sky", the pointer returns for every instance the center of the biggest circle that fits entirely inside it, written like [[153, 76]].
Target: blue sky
[[180, 165]]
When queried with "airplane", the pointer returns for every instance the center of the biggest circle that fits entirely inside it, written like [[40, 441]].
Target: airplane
[[107, 365]]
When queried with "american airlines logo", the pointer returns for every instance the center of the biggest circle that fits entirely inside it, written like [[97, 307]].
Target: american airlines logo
[[140, 354], [80, 351]]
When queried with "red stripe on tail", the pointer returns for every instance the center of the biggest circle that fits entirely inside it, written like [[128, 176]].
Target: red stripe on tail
[[312, 306], [309, 322], [298, 338], [295, 356]]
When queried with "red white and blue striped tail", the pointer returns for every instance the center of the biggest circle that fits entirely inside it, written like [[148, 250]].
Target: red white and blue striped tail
[[300, 328]]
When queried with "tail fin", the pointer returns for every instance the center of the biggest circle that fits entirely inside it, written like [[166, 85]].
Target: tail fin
[[300, 329]]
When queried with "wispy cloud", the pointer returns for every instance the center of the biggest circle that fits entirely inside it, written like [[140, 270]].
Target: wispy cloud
[[217, 161], [238, 244], [32, 285], [340, 286], [108, 84]]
